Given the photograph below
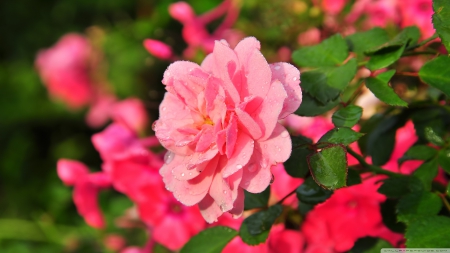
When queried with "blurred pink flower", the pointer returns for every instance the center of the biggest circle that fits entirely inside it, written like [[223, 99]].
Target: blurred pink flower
[[131, 113], [195, 32], [332, 7], [377, 12], [311, 127], [100, 111], [86, 188], [418, 13], [219, 122], [309, 38], [158, 49], [283, 184], [358, 207], [162, 212], [280, 239], [64, 69]]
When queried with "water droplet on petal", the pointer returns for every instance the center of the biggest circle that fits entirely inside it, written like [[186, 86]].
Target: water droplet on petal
[[252, 167], [224, 192], [277, 67], [154, 125], [272, 179], [284, 134], [164, 108], [239, 166], [182, 174], [223, 207], [295, 78], [168, 157]]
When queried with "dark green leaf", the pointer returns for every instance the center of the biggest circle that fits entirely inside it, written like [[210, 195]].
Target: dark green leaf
[[370, 245], [330, 52], [353, 178], [210, 240], [428, 232], [417, 204], [428, 118], [383, 60], [256, 200], [347, 116], [419, 152], [329, 167], [304, 208], [427, 172], [312, 107], [368, 127], [408, 36], [297, 165], [441, 22], [437, 74], [340, 135], [395, 187], [362, 41], [388, 214], [325, 84], [311, 193], [381, 140], [444, 159], [432, 136], [379, 86], [256, 227]]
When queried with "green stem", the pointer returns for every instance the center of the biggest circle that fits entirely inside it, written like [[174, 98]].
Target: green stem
[[285, 197], [444, 200], [372, 168]]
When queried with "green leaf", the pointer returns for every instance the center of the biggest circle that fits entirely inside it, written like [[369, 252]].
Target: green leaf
[[427, 172], [379, 86], [380, 142], [408, 36], [340, 135], [433, 137], [388, 214], [437, 74], [418, 204], [330, 52], [432, 118], [329, 167], [347, 116], [395, 187], [362, 41], [311, 107], [210, 240], [353, 178], [311, 193], [256, 227], [428, 232], [297, 165], [419, 152], [304, 208], [368, 126], [441, 22], [383, 60], [256, 200], [325, 84], [444, 159], [370, 245]]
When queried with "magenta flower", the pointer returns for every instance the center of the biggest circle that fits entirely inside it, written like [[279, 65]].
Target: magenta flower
[[219, 122]]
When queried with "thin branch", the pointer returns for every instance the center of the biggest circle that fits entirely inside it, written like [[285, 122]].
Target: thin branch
[[372, 168]]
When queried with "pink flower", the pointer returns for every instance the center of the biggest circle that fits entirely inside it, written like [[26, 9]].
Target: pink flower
[[86, 188], [418, 13], [378, 12], [309, 38], [285, 240], [358, 208], [219, 122], [333, 6], [195, 32], [283, 184], [64, 69], [162, 212], [131, 113], [158, 49]]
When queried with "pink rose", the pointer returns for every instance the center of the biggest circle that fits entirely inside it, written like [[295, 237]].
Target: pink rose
[[158, 49], [86, 189], [64, 69], [219, 122], [131, 113], [418, 13]]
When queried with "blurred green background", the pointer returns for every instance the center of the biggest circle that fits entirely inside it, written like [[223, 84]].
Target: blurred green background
[[36, 210]]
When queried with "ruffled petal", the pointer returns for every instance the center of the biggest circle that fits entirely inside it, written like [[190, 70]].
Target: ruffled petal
[[289, 76]]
